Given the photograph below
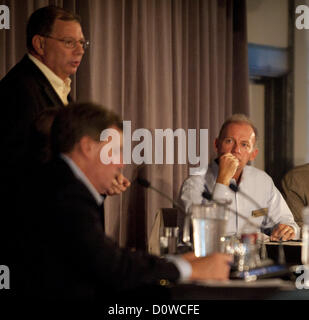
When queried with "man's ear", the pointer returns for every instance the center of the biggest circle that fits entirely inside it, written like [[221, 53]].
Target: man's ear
[[38, 44], [86, 146], [254, 153]]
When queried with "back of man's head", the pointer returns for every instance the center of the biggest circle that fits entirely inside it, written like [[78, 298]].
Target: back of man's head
[[41, 22], [238, 118], [78, 120]]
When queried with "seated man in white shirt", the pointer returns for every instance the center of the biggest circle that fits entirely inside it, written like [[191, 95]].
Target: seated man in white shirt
[[236, 146]]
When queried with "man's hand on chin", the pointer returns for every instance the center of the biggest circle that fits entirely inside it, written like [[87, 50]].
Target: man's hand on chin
[[120, 184], [228, 165]]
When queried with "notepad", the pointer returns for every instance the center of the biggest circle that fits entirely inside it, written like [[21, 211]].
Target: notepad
[[286, 243]]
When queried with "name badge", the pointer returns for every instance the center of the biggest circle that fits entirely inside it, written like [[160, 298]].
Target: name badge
[[260, 212]]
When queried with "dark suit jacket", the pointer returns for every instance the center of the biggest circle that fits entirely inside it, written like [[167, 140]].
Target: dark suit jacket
[[71, 257], [24, 92]]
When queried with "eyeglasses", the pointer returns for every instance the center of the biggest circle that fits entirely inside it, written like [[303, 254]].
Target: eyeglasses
[[71, 43]]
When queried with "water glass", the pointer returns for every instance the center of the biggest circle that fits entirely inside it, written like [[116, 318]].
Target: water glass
[[209, 225]]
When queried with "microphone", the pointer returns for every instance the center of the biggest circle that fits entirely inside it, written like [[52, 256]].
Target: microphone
[[146, 184], [186, 229], [208, 196], [236, 189]]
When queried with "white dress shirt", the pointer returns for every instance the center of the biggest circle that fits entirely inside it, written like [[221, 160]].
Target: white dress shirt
[[255, 183], [62, 88]]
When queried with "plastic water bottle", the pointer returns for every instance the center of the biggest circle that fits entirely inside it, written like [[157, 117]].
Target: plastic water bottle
[[305, 237]]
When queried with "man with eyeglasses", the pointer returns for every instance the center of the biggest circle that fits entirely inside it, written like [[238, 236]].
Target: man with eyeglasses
[[55, 45], [41, 80]]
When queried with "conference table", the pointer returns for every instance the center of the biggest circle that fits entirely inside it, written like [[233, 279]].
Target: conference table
[[232, 290], [280, 285]]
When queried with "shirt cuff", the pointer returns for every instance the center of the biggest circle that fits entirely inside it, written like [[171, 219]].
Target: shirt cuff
[[183, 266]]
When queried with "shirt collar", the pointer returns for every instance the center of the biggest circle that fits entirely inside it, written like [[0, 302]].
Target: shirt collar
[[82, 177], [62, 87]]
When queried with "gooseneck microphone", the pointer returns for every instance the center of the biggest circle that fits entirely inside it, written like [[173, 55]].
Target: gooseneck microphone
[[186, 229], [236, 189], [208, 196], [146, 184]]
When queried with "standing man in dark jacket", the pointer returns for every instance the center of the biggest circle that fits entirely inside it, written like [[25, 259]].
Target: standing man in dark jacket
[[40, 81]]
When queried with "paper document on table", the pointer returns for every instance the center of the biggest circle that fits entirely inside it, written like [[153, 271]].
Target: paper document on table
[[244, 284], [286, 243]]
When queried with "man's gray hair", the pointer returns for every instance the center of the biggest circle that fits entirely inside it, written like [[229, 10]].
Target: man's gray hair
[[239, 118]]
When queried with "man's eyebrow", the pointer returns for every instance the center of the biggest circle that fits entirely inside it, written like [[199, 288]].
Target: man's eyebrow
[[72, 38], [244, 140]]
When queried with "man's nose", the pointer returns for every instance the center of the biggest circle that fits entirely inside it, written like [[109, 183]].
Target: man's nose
[[79, 49], [236, 148]]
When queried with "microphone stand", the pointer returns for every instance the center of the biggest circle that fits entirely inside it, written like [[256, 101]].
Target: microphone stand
[[186, 239], [208, 196], [186, 229]]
